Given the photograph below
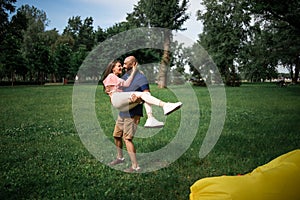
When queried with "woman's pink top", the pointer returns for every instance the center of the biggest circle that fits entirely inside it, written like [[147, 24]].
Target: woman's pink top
[[113, 80], [113, 83]]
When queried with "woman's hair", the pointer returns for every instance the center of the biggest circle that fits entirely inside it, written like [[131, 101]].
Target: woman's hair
[[109, 69]]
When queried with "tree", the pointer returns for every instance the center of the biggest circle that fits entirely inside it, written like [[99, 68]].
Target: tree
[[286, 11], [55, 54], [82, 32], [76, 60], [63, 62], [86, 34], [225, 30], [73, 28], [202, 68], [100, 35], [5, 6], [283, 18], [170, 15], [178, 63], [257, 48], [117, 28], [11, 57], [33, 47]]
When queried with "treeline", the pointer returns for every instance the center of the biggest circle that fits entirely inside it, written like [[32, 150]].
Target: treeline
[[246, 40], [250, 39], [29, 53]]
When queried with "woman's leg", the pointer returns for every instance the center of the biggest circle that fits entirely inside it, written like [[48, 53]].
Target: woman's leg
[[151, 121], [148, 109], [167, 107], [148, 98], [122, 101]]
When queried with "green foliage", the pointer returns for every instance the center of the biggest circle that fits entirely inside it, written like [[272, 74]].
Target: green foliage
[[284, 41], [6, 6], [254, 49], [11, 56], [117, 28], [76, 60], [170, 15], [163, 14], [42, 157], [73, 27], [143, 55], [225, 29], [63, 59], [81, 32], [34, 49], [100, 35], [246, 39], [276, 10]]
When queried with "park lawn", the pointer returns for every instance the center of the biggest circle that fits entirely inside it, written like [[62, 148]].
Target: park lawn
[[42, 156]]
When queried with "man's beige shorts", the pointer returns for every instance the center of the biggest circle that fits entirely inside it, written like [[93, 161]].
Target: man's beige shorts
[[126, 127]]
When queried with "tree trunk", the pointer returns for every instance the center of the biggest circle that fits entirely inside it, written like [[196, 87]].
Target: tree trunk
[[297, 69], [42, 77], [292, 71], [227, 74], [165, 62], [13, 77], [53, 78]]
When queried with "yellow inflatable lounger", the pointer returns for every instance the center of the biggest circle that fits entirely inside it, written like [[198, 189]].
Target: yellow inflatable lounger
[[277, 180]]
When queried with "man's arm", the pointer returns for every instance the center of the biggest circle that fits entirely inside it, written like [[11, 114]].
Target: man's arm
[[135, 99], [128, 81]]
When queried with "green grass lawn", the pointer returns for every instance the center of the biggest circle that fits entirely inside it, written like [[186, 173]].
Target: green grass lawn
[[42, 156]]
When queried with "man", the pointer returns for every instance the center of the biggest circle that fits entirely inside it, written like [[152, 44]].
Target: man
[[127, 122]]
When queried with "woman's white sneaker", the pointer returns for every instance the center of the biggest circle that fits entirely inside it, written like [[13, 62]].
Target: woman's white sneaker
[[171, 107], [153, 123]]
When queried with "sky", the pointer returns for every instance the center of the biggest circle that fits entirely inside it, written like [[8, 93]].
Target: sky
[[105, 13]]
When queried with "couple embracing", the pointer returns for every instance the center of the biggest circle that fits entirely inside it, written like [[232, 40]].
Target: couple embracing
[[128, 94]]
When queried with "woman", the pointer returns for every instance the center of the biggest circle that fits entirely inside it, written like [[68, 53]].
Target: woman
[[123, 101]]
